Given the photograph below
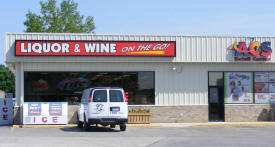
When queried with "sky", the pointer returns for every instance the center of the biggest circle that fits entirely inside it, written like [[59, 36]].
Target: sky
[[185, 17]]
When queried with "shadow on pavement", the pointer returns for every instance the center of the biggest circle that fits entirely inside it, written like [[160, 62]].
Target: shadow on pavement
[[91, 129]]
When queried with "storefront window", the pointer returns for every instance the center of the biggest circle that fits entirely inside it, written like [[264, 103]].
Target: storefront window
[[68, 86], [249, 87], [264, 86], [238, 87]]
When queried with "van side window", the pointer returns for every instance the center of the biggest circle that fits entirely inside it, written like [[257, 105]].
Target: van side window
[[100, 96], [116, 96]]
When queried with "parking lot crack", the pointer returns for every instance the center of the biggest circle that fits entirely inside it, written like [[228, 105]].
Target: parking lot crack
[[156, 142]]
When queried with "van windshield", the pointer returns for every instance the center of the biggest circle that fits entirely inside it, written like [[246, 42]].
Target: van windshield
[[100, 96], [116, 96]]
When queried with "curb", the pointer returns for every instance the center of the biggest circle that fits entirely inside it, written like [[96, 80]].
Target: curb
[[236, 124], [157, 125], [143, 125], [74, 126], [44, 126]]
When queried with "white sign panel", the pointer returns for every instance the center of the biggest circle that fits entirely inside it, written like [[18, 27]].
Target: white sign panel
[[45, 113], [271, 77], [6, 115]]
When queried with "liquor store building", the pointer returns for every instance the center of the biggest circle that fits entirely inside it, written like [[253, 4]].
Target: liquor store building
[[179, 78]]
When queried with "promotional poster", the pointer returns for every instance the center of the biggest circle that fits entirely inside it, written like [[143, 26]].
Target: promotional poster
[[264, 86], [271, 76], [272, 87], [262, 98], [238, 87], [261, 76], [261, 87]]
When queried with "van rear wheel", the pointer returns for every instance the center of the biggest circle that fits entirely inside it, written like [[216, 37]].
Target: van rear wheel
[[122, 127], [86, 124], [79, 123]]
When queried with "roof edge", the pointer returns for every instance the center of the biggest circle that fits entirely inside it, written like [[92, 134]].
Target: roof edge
[[153, 35]]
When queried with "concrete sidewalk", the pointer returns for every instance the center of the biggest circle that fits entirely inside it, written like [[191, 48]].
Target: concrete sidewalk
[[210, 124], [165, 125]]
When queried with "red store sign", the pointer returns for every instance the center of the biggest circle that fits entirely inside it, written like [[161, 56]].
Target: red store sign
[[95, 48]]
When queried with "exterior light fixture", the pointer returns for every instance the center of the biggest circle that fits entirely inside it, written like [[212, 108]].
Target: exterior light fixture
[[176, 67]]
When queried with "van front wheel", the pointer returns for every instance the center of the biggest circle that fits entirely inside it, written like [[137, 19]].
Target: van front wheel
[[122, 127]]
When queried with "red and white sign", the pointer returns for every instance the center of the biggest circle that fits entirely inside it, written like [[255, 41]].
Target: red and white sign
[[96, 48], [45, 113]]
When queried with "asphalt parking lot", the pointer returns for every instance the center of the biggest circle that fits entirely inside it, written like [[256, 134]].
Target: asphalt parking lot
[[139, 136]]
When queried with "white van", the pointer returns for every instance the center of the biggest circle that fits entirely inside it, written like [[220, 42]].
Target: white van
[[105, 106]]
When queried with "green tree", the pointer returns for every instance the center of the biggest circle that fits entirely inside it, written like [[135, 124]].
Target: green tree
[[63, 19], [7, 83]]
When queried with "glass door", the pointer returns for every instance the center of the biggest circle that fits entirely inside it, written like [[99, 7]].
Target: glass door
[[216, 104], [216, 96]]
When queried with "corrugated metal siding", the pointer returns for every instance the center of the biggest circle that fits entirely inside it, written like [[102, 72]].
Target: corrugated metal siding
[[188, 48]]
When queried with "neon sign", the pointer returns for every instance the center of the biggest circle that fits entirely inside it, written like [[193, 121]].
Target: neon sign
[[255, 51], [73, 84]]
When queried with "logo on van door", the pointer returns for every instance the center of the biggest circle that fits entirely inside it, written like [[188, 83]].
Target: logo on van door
[[99, 107]]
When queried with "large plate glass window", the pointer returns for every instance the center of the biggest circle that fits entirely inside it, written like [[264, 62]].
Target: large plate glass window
[[68, 86]]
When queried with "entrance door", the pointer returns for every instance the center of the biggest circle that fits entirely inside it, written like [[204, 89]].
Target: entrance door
[[216, 103]]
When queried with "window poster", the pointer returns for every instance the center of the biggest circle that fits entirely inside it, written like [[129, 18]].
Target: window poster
[[261, 76], [261, 87], [264, 86], [272, 95], [238, 87], [271, 77], [262, 98], [272, 87]]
